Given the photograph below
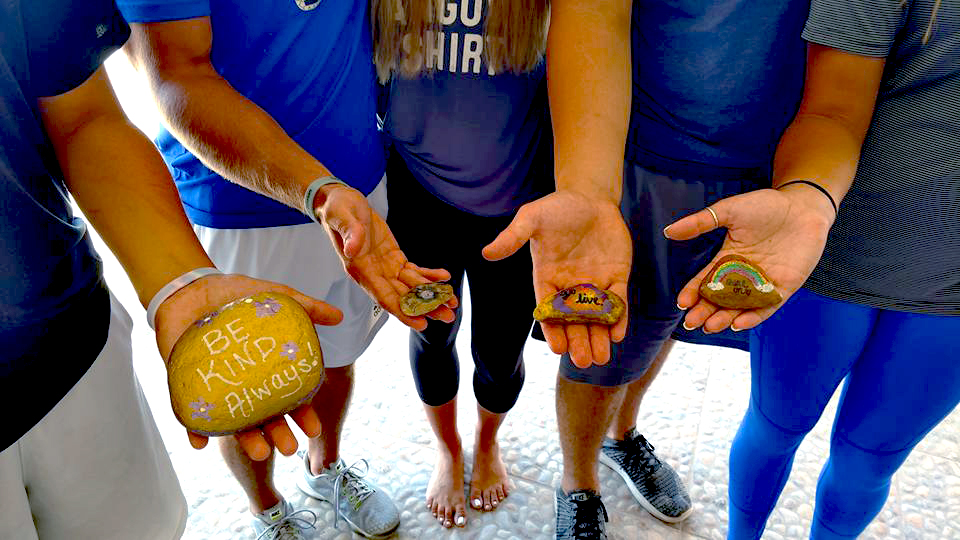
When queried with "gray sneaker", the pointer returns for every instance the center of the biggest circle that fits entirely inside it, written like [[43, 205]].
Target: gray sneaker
[[580, 515], [282, 523], [370, 512], [654, 484]]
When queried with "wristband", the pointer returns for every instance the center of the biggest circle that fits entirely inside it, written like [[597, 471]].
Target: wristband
[[312, 190], [818, 187], [175, 285]]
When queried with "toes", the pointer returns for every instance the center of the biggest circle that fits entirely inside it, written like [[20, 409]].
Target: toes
[[448, 517], [487, 502], [460, 517], [476, 501]]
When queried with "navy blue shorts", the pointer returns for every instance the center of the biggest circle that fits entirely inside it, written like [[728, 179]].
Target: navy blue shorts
[[661, 268]]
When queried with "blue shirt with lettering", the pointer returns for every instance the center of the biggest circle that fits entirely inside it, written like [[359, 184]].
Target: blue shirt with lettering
[[308, 64], [477, 140]]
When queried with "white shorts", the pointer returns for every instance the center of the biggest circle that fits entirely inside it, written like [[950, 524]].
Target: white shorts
[[95, 467], [302, 257]]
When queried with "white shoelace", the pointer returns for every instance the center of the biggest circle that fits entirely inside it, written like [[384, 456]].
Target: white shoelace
[[353, 478], [290, 520]]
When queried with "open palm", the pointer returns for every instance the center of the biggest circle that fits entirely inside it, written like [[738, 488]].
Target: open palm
[[773, 230], [573, 239]]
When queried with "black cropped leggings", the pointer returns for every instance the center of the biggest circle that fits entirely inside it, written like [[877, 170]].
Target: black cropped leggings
[[434, 234]]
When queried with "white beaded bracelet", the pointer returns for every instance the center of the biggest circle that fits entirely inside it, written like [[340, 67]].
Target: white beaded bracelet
[[175, 285], [312, 190]]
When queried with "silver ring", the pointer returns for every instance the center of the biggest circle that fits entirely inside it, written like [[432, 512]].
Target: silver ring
[[716, 221]]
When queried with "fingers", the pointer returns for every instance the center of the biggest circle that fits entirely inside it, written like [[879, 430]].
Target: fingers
[[254, 444], [279, 433], [619, 330], [306, 417], [579, 346], [196, 440], [556, 337], [320, 312], [511, 239], [696, 224]]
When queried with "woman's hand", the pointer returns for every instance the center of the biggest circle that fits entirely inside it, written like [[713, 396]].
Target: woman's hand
[[782, 231]]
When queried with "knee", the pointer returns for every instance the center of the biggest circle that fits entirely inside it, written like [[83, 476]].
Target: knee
[[769, 433]]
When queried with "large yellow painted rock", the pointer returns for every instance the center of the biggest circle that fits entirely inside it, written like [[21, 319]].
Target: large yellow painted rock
[[253, 359]]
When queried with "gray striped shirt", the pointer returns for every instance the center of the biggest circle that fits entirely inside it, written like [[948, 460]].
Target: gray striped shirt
[[896, 242]]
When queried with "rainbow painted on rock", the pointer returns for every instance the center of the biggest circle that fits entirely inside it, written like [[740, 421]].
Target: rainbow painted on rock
[[742, 268]]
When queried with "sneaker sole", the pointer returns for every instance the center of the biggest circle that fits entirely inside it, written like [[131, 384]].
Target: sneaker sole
[[308, 491], [613, 465]]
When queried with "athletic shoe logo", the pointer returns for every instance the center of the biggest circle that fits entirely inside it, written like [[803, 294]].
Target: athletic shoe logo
[[307, 5]]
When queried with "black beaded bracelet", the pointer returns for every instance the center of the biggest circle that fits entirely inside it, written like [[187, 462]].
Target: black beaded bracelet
[[819, 188]]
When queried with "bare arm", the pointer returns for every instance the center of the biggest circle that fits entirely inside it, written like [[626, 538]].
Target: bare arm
[[577, 234], [122, 185], [237, 139], [229, 133], [785, 230]]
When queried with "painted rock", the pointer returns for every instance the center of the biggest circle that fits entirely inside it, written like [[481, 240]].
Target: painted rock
[[253, 359], [582, 303], [425, 298], [736, 283]]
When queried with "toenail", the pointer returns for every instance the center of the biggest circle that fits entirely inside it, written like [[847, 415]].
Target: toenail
[[461, 520], [494, 503], [477, 503]]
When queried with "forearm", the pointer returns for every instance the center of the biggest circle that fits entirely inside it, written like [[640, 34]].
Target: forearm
[[125, 191], [588, 68], [235, 138], [820, 149]]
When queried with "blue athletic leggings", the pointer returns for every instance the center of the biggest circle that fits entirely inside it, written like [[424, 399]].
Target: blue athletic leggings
[[902, 378]]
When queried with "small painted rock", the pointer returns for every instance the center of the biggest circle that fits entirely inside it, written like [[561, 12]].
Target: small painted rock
[[736, 283], [253, 359], [582, 303], [425, 298]]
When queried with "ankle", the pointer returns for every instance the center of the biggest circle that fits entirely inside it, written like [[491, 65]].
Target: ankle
[[260, 503], [619, 433]]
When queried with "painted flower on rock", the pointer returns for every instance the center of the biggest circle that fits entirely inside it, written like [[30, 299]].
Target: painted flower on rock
[[200, 408], [290, 350], [267, 308]]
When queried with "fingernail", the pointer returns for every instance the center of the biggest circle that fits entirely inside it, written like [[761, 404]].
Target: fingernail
[[734, 328], [687, 327], [705, 331], [461, 520], [681, 308], [665, 234]]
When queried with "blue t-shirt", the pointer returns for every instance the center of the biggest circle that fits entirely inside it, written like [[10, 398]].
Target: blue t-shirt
[[54, 307], [478, 141], [308, 64], [715, 83]]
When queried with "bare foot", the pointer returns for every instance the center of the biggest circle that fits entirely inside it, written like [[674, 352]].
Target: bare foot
[[489, 483], [445, 492]]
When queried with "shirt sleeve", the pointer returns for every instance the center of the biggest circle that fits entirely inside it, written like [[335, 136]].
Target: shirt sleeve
[[68, 41], [864, 27], [149, 11]]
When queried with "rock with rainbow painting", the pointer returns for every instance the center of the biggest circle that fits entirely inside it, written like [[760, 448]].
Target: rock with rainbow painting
[[736, 283]]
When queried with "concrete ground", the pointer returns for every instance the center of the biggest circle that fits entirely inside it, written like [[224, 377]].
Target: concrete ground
[[690, 415]]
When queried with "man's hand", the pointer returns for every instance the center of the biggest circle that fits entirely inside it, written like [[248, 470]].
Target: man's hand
[[784, 232], [573, 239], [206, 295], [371, 256]]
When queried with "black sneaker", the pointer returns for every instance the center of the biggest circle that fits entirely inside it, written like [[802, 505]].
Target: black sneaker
[[654, 484], [580, 516]]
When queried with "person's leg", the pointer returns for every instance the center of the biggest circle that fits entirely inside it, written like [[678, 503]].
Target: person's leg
[[302, 257], [95, 467], [503, 300], [583, 413], [433, 354], [798, 358], [625, 418], [905, 382]]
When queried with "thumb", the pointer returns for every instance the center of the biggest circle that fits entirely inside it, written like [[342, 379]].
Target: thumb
[[320, 312], [512, 238], [349, 232], [692, 226]]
